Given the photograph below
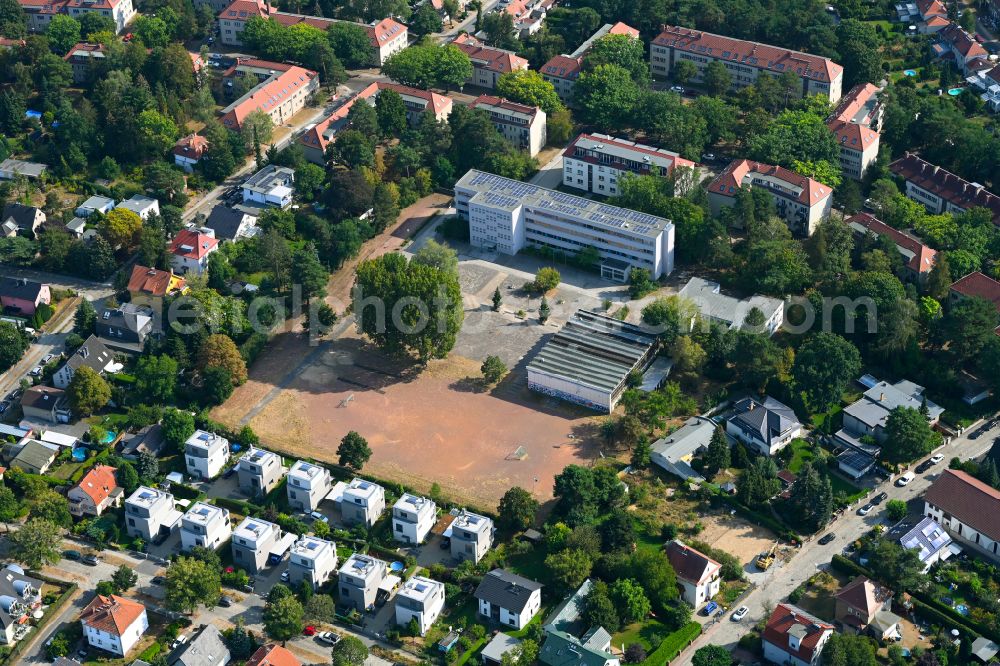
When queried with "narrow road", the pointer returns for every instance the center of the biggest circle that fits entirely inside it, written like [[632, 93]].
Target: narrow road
[[51, 341], [774, 585]]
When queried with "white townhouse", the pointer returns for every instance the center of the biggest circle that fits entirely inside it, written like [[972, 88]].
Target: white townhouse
[[508, 599], [259, 471], [252, 542], [699, 575], [471, 536], [362, 503], [271, 186], [359, 580], [205, 525], [596, 162], [420, 599], [308, 484], [114, 624], [141, 205], [150, 512], [206, 454], [20, 596], [412, 518], [522, 125], [313, 560]]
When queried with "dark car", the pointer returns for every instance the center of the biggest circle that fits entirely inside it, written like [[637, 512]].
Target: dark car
[[445, 543], [827, 539], [924, 466], [225, 602], [229, 472], [72, 555], [158, 580], [878, 499], [90, 560]]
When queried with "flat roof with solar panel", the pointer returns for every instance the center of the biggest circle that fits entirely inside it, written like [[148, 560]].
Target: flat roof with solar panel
[[499, 192]]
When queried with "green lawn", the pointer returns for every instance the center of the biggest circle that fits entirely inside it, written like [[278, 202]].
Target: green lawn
[[531, 564], [843, 487], [801, 453], [648, 634]]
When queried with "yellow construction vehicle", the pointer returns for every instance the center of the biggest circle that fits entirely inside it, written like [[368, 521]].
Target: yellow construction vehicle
[[766, 559]]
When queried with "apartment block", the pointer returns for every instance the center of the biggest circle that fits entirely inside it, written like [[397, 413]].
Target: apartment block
[[522, 125], [259, 471], [941, 191], [855, 123], [746, 61], [205, 525], [801, 202], [40, 12], [282, 91], [562, 71], [412, 518], [206, 454], [471, 536], [359, 580], [595, 162], [252, 543], [307, 485], [85, 59], [313, 560], [506, 215], [488, 63], [420, 599], [363, 502], [150, 513]]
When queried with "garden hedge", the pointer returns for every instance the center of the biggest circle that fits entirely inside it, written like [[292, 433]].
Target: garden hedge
[[673, 645]]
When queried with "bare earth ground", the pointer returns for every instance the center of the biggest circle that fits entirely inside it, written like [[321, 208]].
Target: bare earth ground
[[736, 536]]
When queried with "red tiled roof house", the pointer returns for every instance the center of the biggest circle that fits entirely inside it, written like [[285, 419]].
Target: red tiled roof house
[[968, 509], [793, 637], [917, 257], [864, 605], [977, 285], [190, 250], [488, 63], [97, 490], [697, 574], [188, 151], [562, 71], [114, 624]]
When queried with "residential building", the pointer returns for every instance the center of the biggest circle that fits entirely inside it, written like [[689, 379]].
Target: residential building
[[596, 162], [589, 360], [488, 63], [866, 606], [420, 599], [412, 518], [526, 15], [569, 641], [20, 596], [698, 574], [259, 471], [77, 226], [359, 580], [34, 457], [141, 205], [95, 204], [40, 13], [917, 257], [273, 655], [732, 312], [11, 169], [307, 485], [953, 43], [471, 536], [149, 440], [793, 637], [928, 15], [507, 215], [93, 354], [522, 125], [855, 123], [925, 536], [252, 542], [97, 490], [86, 60], [744, 60], [206, 454], [767, 426], [22, 295], [125, 326], [976, 285], [508, 599], [206, 526], [148, 286], [313, 560], [189, 150], [363, 502], [562, 71], [868, 415], [46, 404], [231, 224], [114, 624], [968, 509], [271, 186], [800, 201], [984, 650], [675, 451], [190, 250], [281, 92], [387, 37], [941, 191], [501, 644], [205, 647], [22, 220], [150, 513]]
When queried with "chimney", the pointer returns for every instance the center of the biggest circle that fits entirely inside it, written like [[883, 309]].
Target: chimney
[[881, 397], [752, 405]]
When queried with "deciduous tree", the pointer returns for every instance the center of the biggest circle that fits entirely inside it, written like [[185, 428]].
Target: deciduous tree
[[87, 392], [354, 451]]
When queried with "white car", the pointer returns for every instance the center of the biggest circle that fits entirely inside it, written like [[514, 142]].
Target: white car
[[285, 576], [740, 613], [328, 637], [905, 479], [36, 371], [179, 641], [936, 458]]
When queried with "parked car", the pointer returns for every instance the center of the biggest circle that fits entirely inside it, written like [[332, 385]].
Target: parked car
[[229, 472], [328, 637], [74, 555], [36, 371], [225, 602], [179, 641], [285, 575], [827, 539], [90, 560], [923, 467], [445, 543], [316, 515], [740, 613], [708, 157], [710, 608], [865, 510], [4, 406], [47, 358], [158, 580], [905, 479], [677, 89], [881, 497], [310, 630], [936, 458]]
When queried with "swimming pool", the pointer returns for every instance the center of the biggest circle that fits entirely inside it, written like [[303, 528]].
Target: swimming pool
[[955, 92], [910, 72], [79, 454], [109, 437], [397, 567]]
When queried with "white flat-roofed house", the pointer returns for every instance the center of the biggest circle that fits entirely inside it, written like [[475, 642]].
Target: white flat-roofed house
[[308, 483], [359, 580], [412, 518], [362, 503], [471, 536], [252, 542], [206, 454], [95, 204], [420, 599], [507, 215], [114, 624], [271, 186], [150, 512], [142, 206], [259, 471], [205, 525], [312, 559], [522, 125], [595, 162], [20, 595], [508, 599], [732, 312]]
